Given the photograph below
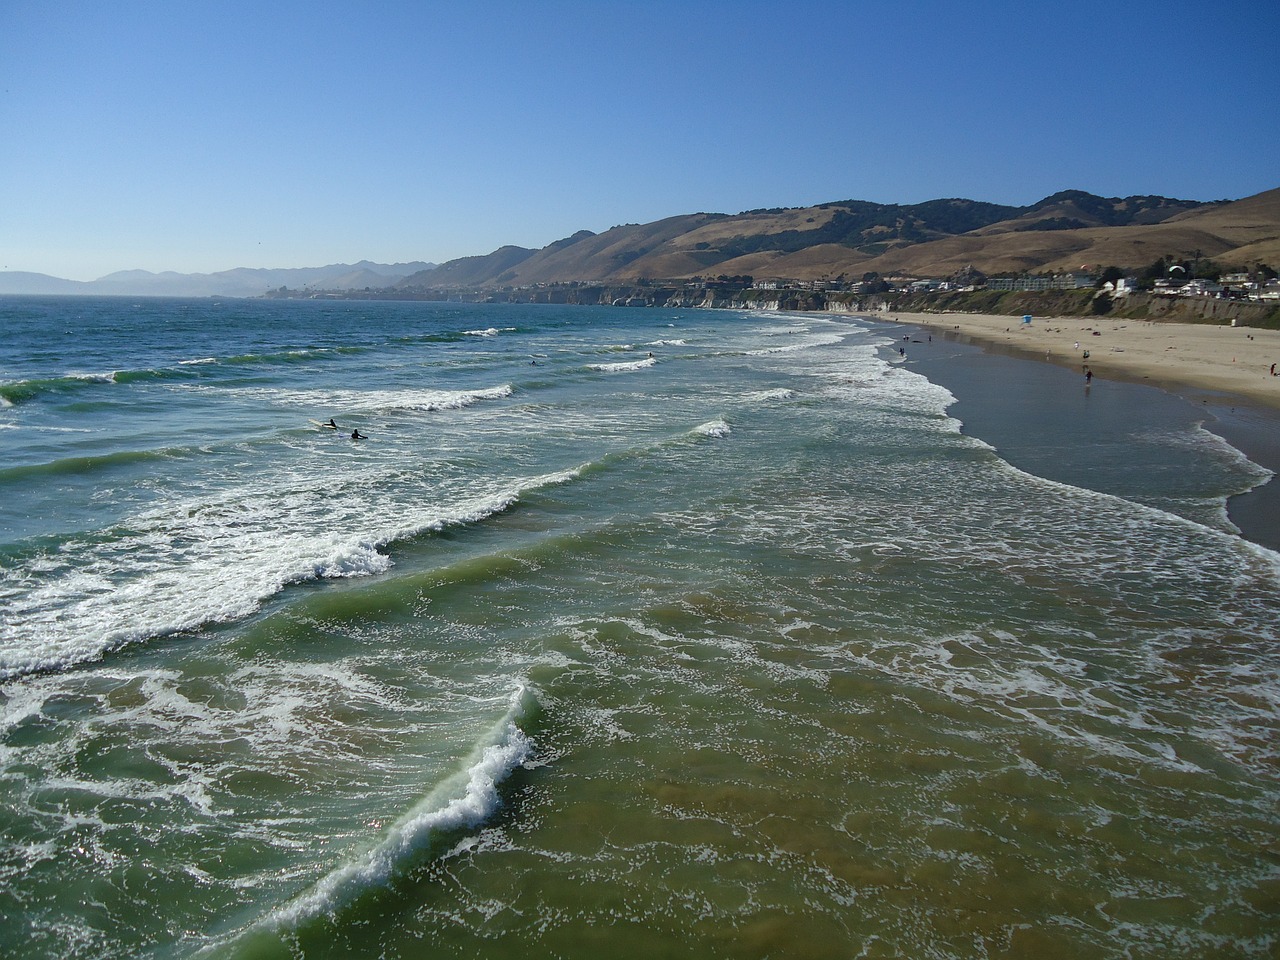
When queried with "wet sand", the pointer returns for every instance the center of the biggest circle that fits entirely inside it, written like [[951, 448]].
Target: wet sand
[[1046, 419]]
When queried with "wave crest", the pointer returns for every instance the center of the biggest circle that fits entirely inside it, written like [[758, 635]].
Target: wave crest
[[623, 367], [713, 428], [462, 802]]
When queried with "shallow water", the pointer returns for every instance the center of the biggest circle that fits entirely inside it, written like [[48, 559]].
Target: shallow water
[[744, 648]]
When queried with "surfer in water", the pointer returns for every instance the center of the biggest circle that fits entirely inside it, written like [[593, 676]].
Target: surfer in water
[[357, 435], [331, 425]]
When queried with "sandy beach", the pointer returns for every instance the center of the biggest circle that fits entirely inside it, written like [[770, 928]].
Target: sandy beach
[[1218, 359]]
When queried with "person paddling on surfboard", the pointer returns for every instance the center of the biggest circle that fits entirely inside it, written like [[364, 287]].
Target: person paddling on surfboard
[[330, 424], [357, 435]]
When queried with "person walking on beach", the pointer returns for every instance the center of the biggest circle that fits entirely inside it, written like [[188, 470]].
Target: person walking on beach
[[1088, 375]]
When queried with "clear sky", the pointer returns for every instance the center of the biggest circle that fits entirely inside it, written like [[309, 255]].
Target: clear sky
[[197, 136]]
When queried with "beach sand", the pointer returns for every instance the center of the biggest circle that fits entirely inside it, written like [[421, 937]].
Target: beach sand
[[1182, 357], [1033, 413]]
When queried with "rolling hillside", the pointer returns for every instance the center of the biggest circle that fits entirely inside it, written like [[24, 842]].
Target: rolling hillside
[[850, 238]]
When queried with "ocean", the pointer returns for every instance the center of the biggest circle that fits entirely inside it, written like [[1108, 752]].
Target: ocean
[[643, 632]]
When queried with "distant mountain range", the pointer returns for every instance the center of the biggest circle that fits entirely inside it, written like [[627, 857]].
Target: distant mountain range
[[842, 239], [850, 238], [240, 282]]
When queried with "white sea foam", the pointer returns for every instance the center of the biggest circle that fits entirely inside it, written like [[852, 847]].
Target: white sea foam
[[799, 338], [554, 479], [713, 428], [186, 563], [778, 393], [488, 332], [93, 377], [383, 401], [1049, 687], [161, 579], [862, 376], [202, 360], [668, 343], [623, 367], [278, 707]]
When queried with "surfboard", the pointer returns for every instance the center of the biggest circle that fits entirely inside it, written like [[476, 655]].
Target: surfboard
[[327, 426]]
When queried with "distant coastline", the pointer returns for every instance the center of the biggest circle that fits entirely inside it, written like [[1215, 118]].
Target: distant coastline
[[239, 282], [796, 255]]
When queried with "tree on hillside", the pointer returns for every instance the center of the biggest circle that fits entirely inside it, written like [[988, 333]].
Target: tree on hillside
[[1207, 270], [1157, 271], [1110, 275], [872, 283]]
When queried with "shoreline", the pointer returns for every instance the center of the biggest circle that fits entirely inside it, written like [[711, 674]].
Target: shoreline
[[1222, 372], [1204, 362]]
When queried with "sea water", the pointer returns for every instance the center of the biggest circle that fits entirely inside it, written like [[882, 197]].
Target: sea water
[[640, 632]]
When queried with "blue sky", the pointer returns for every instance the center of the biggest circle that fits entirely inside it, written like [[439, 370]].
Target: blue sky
[[200, 136]]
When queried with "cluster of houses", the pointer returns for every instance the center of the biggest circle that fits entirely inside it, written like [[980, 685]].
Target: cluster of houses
[[1235, 286], [1232, 286]]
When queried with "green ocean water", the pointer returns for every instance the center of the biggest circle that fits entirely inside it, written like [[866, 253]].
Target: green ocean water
[[654, 633]]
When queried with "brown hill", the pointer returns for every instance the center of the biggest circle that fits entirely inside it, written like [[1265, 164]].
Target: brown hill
[[470, 271], [1051, 250], [1253, 224], [621, 251], [1236, 233], [850, 238]]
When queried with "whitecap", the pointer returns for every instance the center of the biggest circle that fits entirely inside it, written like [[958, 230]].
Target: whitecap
[[386, 401], [185, 564], [778, 393], [623, 367], [713, 428]]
